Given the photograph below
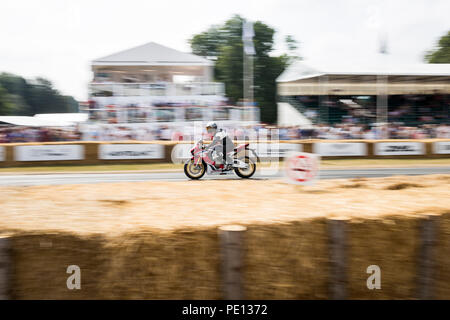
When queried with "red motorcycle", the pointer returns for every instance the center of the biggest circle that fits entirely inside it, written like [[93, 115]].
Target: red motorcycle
[[209, 161]]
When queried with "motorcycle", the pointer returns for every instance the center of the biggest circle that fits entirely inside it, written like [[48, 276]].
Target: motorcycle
[[208, 161]]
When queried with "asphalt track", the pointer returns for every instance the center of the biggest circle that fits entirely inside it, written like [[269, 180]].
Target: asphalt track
[[78, 178]]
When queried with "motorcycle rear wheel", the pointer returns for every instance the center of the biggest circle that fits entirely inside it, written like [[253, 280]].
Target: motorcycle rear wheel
[[248, 172], [193, 171]]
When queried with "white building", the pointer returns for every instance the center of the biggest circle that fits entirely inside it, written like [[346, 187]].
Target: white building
[[153, 83]]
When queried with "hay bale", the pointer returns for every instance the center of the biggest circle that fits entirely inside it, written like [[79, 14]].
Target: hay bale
[[150, 264], [391, 243], [442, 263], [139, 265], [287, 261], [158, 242], [41, 261], [5, 267]]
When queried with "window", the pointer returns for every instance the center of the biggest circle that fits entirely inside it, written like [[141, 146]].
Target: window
[[194, 114], [102, 75], [165, 114], [220, 114]]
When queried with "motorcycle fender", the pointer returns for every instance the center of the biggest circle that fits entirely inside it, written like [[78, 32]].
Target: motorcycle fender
[[252, 155]]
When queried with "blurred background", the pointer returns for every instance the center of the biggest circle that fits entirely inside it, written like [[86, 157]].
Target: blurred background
[[79, 71]]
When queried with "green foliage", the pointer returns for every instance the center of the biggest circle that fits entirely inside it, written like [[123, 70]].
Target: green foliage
[[208, 43], [291, 43], [441, 54], [224, 44], [292, 46], [6, 102], [26, 98]]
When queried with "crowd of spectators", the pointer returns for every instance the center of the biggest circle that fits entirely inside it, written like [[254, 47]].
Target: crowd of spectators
[[38, 134], [407, 109], [392, 131], [260, 131]]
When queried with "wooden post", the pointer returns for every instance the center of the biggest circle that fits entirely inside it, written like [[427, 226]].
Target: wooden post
[[338, 258], [5, 268], [426, 263], [231, 242]]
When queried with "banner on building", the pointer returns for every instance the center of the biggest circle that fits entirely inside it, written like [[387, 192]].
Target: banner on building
[[49, 152], [344, 149], [130, 151], [441, 147], [399, 148]]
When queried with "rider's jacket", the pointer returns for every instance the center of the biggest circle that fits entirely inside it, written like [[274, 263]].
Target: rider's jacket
[[222, 138]]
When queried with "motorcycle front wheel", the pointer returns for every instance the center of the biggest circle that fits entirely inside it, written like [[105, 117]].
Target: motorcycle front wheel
[[194, 171], [246, 172]]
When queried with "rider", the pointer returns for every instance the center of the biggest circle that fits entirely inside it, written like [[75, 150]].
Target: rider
[[221, 141]]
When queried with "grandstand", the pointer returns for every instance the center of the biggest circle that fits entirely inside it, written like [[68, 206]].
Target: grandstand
[[336, 93], [152, 83]]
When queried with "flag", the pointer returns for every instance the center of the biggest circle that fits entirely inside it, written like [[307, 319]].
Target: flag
[[247, 37]]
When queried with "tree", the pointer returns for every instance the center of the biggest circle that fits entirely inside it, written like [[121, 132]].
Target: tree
[[441, 54], [291, 43], [6, 104], [292, 47], [21, 97], [224, 44], [208, 43]]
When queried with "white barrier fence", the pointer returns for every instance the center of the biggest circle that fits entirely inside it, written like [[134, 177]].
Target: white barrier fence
[[130, 151], [441, 147], [180, 152], [49, 152], [344, 149], [399, 148], [275, 150]]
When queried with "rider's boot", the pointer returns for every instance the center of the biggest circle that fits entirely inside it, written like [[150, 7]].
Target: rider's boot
[[229, 162]]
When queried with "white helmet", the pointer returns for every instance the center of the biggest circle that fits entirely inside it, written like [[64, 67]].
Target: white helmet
[[211, 127]]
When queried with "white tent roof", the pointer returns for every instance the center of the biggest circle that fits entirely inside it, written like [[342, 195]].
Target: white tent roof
[[289, 116], [304, 69], [30, 121], [65, 117], [151, 54], [46, 120]]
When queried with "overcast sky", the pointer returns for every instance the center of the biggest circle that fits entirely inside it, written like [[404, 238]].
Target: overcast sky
[[57, 39]]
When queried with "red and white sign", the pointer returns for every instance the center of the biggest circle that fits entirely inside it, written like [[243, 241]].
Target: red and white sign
[[302, 168]]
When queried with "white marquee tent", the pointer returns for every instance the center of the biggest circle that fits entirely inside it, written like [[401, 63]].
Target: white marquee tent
[[46, 120]]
